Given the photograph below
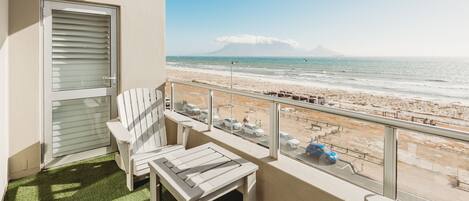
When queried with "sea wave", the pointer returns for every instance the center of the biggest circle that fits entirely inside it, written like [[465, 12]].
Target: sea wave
[[399, 85], [436, 80]]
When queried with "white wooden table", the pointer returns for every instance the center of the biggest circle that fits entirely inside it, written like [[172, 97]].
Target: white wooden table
[[205, 172]]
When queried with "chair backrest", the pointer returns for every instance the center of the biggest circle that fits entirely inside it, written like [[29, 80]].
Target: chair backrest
[[141, 111]]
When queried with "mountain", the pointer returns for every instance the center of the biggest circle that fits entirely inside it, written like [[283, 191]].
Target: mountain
[[271, 50], [321, 51]]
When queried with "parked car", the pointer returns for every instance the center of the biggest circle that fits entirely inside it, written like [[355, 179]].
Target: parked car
[[232, 123], [204, 116], [293, 143], [287, 140], [287, 109], [322, 153], [191, 109], [252, 129]]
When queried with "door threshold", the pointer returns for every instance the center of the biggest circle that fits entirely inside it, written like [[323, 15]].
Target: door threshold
[[64, 160]]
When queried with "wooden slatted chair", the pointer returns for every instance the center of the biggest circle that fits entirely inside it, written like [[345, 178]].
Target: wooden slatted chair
[[140, 131]]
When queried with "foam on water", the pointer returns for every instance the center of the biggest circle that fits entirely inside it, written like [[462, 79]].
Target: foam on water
[[437, 79]]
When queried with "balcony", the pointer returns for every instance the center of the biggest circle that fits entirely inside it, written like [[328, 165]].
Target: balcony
[[389, 168], [391, 157]]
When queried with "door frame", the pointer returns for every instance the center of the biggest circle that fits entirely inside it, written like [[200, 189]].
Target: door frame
[[49, 96]]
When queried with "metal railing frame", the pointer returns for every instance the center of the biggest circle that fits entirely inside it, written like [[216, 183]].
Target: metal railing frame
[[390, 135]]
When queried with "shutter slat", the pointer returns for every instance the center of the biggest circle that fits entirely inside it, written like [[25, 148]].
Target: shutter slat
[[79, 56], [68, 134], [80, 16], [80, 28], [66, 74], [80, 61], [86, 68], [91, 34], [58, 50], [59, 20], [79, 39], [70, 44]]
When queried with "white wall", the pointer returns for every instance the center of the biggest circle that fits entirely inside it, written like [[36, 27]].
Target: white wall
[[3, 96], [142, 64], [24, 83]]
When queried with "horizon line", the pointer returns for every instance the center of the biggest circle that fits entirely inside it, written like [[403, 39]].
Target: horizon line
[[343, 56]]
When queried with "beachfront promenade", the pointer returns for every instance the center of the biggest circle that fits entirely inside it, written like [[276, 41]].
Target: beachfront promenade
[[359, 144]]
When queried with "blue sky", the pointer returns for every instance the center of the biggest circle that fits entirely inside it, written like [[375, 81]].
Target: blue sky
[[352, 27]]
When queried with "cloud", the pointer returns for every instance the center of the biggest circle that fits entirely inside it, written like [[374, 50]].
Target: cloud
[[252, 39]]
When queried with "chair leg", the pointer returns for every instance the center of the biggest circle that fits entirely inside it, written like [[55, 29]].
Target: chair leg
[[130, 177], [130, 181], [155, 187]]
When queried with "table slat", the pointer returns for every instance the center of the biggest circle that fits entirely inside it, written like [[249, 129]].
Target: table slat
[[212, 173], [201, 161]]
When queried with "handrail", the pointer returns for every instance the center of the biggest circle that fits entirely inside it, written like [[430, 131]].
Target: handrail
[[395, 123]]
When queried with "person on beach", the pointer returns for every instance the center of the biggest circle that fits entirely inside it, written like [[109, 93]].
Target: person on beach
[[246, 120]]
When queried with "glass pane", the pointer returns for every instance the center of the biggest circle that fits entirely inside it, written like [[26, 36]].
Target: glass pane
[[191, 101], [223, 111], [347, 148], [243, 116], [80, 124], [432, 167], [167, 95], [254, 115], [80, 51]]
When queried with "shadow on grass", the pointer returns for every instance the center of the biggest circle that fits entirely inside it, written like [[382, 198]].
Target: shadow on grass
[[94, 179]]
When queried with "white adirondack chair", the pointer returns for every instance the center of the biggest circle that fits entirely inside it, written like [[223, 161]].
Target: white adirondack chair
[[141, 133]]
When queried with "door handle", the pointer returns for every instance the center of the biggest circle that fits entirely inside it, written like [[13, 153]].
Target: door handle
[[109, 78]]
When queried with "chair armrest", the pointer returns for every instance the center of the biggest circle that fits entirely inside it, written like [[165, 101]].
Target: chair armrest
[[174, 116], [118, 131], [178, 118], [184, 126]]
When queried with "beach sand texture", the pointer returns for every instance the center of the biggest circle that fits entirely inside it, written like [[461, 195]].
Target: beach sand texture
[[428, 166]]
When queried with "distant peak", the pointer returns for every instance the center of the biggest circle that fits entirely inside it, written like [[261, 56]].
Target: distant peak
[[321, 51], [253, 45]]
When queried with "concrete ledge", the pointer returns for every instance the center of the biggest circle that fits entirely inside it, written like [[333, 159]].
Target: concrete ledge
[[282, 179]]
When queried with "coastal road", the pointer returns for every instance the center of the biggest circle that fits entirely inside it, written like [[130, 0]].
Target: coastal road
[[344, 170], [341, 169]]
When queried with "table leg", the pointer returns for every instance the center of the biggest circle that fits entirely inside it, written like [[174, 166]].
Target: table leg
[[155, 191], [249, 187]]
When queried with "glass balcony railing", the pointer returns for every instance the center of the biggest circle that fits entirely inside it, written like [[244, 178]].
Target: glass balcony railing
[[398, 159]]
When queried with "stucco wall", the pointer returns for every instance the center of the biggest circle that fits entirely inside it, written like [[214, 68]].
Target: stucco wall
[[3, 96], [141, 54], [24, 87]]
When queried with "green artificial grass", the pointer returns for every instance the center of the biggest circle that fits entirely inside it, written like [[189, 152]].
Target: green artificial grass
[[93, 179]]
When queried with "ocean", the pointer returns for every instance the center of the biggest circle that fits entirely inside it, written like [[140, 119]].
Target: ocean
[[436, 79]]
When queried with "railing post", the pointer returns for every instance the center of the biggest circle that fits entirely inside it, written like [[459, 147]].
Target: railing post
[[172, 97], [390, 163], [210, 110], [274, 147]]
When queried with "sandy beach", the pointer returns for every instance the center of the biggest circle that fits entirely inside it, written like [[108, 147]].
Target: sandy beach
[[436, 160]]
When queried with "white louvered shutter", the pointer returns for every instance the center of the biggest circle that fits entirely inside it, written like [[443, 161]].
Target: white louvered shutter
[[81, 58]]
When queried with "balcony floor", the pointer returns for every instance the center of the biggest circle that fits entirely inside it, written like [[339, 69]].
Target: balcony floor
[[93, 179]]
